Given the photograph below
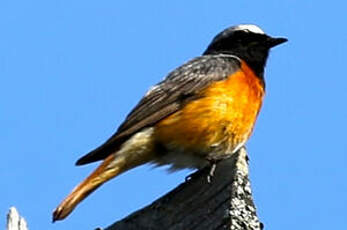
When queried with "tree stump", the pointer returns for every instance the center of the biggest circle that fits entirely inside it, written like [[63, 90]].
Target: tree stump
[[223, 203]]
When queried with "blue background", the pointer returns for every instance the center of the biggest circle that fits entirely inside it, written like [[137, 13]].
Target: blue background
[[70, 71]]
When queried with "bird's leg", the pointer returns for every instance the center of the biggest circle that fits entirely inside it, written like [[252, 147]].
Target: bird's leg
[[212, 171]]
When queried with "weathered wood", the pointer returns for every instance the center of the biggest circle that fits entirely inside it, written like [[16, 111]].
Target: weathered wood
[[15, 221], [224, 203]]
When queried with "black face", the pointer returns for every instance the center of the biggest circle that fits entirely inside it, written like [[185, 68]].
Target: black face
[[249, 46]]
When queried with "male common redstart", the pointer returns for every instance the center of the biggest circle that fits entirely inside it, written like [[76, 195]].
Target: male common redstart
[[203, 111]]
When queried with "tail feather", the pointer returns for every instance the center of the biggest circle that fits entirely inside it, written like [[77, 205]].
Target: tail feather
[[138, 150], [106, 171]]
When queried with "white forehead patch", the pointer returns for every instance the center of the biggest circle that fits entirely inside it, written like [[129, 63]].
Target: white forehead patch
[[250, 28]]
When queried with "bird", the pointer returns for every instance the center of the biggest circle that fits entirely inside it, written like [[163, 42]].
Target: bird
[[202, 112]]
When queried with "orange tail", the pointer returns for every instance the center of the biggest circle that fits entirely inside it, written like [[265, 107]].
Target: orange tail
[[136, 151], [108, 169]]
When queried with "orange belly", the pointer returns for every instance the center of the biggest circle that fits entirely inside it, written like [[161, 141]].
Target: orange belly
[[219, 121]]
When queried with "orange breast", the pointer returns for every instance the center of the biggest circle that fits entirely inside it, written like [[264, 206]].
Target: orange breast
[[222, 117]]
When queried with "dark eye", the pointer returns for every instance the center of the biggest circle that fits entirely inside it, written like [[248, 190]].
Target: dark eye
[[253, 43]]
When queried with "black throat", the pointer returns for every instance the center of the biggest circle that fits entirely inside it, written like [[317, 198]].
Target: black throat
[[249, 47], [254, 57]]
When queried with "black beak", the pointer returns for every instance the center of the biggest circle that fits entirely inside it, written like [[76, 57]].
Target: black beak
[[272, 42]]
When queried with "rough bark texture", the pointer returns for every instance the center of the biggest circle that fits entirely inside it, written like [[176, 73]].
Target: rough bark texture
[[224, 203], [15, 221]]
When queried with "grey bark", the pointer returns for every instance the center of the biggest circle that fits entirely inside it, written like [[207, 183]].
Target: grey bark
[[224, 203]]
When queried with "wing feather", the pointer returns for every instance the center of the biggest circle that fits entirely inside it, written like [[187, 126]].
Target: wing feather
[[179, 87]]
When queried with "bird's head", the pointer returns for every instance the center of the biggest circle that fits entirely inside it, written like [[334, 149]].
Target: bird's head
[[246, 41]]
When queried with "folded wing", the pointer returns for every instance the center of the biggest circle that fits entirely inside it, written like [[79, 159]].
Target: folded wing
[[178, 88]]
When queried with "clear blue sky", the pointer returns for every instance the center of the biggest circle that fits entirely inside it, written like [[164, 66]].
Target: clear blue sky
[[70, 71]]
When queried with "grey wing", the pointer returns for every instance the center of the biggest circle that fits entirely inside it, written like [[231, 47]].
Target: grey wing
[[165, 98]]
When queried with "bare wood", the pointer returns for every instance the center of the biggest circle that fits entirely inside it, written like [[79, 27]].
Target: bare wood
[[224, 203], [15, 221]]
